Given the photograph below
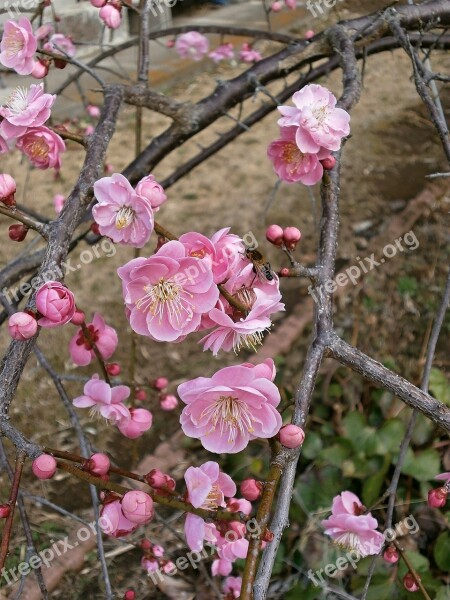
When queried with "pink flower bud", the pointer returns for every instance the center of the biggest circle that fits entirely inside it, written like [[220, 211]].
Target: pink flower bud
[[274, 234], [160, 383], [140, 420], [129, 594], [410, 583], [141, 395], [328, 163], [149, 564], [55, 303], [78, 317], [268, 536], [40, 69], [168, 402], [291, 3], [137, 507], [5, 511], [17, 232], [95, 228], [7, 189], [160, 481], [170, 43], [110, 16], [44, 466], [291, 237], [437, 497], [22, 326], [58, 202], [99, 464], [390, 555], [285, 272], [98, 3], [291, 436], [251, 489], [158, 551], [113, 369], [150, 189], [276, 6], [146, 544], [113, 522], [93, 111], [309, 34]]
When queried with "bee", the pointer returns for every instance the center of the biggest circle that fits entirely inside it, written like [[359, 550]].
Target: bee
[[261, 266]]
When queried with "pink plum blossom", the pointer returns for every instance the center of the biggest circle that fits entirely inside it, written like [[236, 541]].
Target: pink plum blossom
[[248, 55], [113, 522], [42, 146], [291, 4], [223, 52], [350, 528], [292, 165], [55, 303], [236, 405], [150, 189], [104, 337], [149, 564], [167, 294], [234, 330], [136, 423], [60, 44], [22, 326], [443, 477], [104, 400], [111, 16], [3, 145], [25, 108], [121, 213], [207, 487], [319, 123], [232, 586], [192, 45], [18, 46], [93, 111], [222, 253]]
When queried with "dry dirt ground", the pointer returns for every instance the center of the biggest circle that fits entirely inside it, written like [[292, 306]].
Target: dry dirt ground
[[392, 148]]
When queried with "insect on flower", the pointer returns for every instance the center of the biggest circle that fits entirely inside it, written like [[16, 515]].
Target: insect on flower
[[261, 266]]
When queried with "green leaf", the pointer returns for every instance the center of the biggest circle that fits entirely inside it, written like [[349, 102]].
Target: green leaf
[[423, 466], [312, 445], [391, 434], [336, 454], [353, 423], [442, 551], [439, 386], [373, 484]]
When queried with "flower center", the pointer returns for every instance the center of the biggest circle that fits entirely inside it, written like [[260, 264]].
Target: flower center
[[231, 414], [37, 148], [83, 341], [14, 44], [17, 102], [200, 253], [214, 498], [292, 155], [168, 296], [348, 540], [249, 341], [125, 216]]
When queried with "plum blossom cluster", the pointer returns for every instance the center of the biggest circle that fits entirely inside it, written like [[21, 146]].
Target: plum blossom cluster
[[126, 214], [109, 402], [174, 292], [19, 45], [207, 487], [123, 515], [195, 46], [110, 12], [309, 132], [23, 125], [352, 527]]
